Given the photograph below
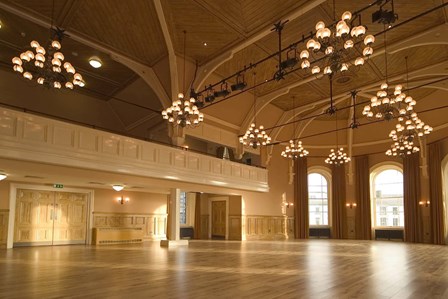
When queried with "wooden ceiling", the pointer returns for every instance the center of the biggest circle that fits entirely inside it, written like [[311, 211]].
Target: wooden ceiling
[[131, 28]]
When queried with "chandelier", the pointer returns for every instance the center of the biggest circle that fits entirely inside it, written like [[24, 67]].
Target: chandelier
[[183, 112], [295, 149], [255, 137], [335, 48], [407, 131], [46, 64], [337, 157], [387, 105]]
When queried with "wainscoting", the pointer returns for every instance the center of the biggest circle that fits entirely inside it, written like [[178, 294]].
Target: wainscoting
[[258, 227], [4, 216], [235, 227], [153, 225]]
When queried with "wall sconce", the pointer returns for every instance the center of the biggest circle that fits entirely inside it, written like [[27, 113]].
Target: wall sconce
[[424, 203], [289, 204], [122, 200], [351, 205]]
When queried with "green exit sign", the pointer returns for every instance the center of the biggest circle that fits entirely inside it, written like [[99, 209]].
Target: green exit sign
[[59, 186]]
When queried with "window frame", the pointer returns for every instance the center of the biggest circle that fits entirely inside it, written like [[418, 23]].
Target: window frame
[[326, 173], [374, 172]]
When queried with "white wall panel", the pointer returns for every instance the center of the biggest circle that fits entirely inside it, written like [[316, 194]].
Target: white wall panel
[[88, 141], [63, 136], [8, 124]]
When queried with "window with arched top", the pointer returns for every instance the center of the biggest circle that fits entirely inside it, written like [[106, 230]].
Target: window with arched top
[[387, 197], [318, 199]]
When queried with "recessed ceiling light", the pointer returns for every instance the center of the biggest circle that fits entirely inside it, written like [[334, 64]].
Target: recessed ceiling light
[[95, 62], [205, 44], [3, 176], [1, 24]]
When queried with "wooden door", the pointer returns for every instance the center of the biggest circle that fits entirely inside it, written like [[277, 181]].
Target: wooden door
[[50, 218], [70, 218], [218, 219], [34, 217]]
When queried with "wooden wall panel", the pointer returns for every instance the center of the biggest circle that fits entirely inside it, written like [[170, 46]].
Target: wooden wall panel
[[152, 225], [4, 216], [267, 227], [204, 226]]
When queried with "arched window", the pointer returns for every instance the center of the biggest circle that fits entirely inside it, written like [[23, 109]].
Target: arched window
[[387, 197], [318, 195]]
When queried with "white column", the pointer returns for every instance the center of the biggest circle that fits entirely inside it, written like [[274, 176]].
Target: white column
[[174, 221]]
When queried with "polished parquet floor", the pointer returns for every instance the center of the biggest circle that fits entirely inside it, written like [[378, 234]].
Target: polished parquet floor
[[226, 269]]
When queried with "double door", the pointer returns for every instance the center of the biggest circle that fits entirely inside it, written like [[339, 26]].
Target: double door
[[50, 218]]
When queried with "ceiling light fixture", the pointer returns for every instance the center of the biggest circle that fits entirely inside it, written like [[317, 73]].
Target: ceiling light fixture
[[295, 149], [387, 105], [334, 48], [183, 112], [337, 156], [95, 62], [255, 137], [118, 187], [3, 176], [46, 64], [1, 24], [410, 128]]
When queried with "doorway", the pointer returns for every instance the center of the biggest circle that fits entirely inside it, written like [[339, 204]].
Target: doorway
[[219, 220], [44, 217]]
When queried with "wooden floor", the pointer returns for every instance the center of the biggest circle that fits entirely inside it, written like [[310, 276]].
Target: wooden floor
[[220, 269]]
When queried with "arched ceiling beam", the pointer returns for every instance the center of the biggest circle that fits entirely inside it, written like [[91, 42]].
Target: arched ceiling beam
[[144, 71], [265, 100], [174, 76], [207, 69]]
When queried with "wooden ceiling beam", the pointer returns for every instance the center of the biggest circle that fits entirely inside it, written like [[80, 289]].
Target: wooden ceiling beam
[[207, 69], [172, 58]]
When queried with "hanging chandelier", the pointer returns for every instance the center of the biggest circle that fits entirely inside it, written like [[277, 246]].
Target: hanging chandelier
[[387, 105], [183, 112], [337, 157], [255, 137], [409, 129], [46, 64], [335, 49], [295, 149]]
